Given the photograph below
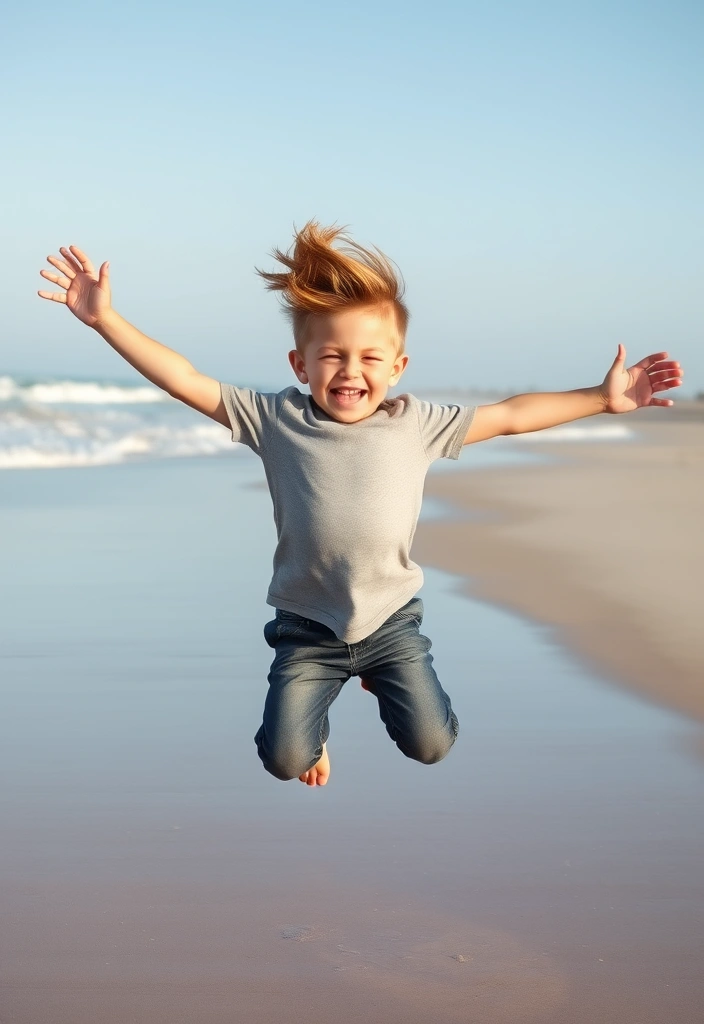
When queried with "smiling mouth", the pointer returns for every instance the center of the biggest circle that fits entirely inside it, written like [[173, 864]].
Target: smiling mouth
[[348, 396]]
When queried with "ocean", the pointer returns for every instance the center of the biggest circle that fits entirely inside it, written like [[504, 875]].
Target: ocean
[[54, 423]]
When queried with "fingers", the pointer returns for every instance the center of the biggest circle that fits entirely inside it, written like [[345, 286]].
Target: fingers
[[664, 375], [663, 364], [659, 375], [60, 265], [74, 262], [70, 259], [64, 282], [648, 361], [661, 401], [84, 262]]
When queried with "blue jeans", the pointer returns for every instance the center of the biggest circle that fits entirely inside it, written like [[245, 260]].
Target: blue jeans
[[310, 668]]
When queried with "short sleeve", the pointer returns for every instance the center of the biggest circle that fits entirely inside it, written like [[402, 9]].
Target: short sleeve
[[443, 428], [252, 415]]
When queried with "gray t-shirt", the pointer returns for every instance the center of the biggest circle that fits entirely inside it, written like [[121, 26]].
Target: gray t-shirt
[[346, 499]]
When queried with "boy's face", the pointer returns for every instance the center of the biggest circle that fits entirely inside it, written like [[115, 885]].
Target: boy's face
[[350, 361]]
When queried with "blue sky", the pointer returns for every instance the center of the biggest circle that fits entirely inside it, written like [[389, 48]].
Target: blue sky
[[535, 169]]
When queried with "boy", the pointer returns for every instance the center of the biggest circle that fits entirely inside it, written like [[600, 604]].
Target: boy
[[345, 466]]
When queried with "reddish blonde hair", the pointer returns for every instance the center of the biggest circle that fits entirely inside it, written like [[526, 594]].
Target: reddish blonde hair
[[322, 279]]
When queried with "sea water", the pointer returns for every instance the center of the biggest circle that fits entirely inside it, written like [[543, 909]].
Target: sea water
[[51, 423]]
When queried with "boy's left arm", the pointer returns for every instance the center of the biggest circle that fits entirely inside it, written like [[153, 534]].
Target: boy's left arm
[[622, 390]]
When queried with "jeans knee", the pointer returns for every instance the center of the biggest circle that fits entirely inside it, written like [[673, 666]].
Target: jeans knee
[[286, 764], [429, 749], [429, 753]]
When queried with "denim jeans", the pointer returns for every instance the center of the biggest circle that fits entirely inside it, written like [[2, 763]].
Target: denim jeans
[[310, 668]]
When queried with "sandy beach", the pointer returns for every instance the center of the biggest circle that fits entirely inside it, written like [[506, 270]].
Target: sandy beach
[[603, 546], [548, 870]]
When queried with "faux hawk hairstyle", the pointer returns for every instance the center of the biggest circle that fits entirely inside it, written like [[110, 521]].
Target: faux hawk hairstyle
[[322, 279]]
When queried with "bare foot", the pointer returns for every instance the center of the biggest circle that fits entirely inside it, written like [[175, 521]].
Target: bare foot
[[318, 775]]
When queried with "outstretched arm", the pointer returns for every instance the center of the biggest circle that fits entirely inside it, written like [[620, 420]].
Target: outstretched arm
[[622, 390], [87, 295]]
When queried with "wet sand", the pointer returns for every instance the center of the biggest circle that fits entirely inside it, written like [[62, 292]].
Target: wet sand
[[548, 870], [604, 546]]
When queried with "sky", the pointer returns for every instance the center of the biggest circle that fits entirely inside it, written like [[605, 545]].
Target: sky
[[534, 169]]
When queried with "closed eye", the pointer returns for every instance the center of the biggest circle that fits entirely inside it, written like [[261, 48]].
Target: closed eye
[[369, 359]]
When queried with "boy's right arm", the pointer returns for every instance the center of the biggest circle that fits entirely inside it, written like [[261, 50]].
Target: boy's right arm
[[168, 369], [87, 295]]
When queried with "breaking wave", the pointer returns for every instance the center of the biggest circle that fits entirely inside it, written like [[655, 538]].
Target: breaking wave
[[49, 424]]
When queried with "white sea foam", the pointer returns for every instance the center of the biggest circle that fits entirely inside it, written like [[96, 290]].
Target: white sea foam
[[575, 432], [47, 424], [73, 392], [154, 442]]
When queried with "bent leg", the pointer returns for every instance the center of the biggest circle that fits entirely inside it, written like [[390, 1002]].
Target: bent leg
[[413, 706], [303, 683]]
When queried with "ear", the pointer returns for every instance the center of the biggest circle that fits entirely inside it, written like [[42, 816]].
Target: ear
[[399, 366], [297, 364]]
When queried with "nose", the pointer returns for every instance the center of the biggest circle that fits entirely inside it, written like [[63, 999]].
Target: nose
[[349, 371]]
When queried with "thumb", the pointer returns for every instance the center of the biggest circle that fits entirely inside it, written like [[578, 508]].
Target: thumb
[[620, 356], [104, 276]]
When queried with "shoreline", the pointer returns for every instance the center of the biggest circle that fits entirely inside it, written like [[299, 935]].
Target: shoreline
[[602, 546]]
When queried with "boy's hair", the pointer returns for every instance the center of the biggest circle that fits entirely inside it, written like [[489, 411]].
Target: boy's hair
[[322, 280]]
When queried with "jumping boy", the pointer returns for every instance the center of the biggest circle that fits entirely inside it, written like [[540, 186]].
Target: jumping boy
[[346, 466]]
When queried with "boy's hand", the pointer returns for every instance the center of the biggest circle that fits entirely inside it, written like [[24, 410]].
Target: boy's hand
[[86, 293], [624, 389]]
